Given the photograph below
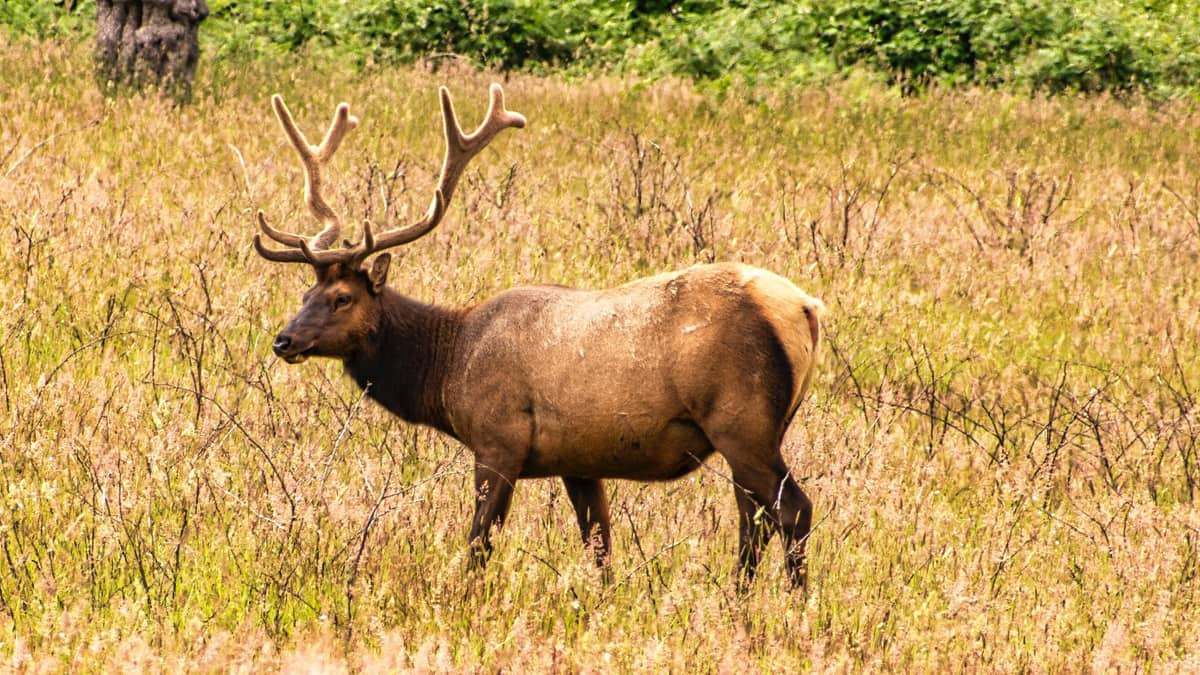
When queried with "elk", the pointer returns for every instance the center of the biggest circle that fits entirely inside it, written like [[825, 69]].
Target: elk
[[641, 382]]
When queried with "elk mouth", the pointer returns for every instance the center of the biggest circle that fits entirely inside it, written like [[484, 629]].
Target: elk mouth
[[298, 357]]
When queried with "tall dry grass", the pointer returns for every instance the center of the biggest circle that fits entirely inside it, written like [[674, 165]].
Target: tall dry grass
[[1002, 446]]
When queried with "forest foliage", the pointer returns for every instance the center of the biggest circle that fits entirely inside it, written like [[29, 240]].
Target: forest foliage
[[1150, 47]]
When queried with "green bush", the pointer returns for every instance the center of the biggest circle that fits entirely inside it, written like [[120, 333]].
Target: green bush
[[42, 19], [1039, 45], [1150, 47], [506, 34]]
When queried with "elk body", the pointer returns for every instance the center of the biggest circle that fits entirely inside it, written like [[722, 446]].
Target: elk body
[[641, 382]]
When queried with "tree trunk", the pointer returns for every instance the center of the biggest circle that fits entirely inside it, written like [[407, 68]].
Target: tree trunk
[[143, 43]]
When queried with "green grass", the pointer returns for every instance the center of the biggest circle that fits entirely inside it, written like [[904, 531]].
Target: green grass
[[1001, 445]]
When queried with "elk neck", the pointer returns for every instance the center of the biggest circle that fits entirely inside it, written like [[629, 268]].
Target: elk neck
[[406, 367]]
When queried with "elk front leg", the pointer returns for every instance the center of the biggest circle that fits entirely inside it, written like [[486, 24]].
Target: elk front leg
[[591, 509], [493, 493]]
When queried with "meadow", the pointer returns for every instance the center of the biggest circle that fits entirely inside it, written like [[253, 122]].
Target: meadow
[[1001, 444]]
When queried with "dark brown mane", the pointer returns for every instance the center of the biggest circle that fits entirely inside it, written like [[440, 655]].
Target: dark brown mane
[[404, 368]]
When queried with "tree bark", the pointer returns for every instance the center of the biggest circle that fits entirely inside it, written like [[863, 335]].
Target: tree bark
[[143, 43]]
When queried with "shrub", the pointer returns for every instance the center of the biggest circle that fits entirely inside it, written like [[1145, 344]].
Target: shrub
[[1039, 45]]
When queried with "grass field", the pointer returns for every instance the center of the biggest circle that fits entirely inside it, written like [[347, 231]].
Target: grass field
[[1002, 445]]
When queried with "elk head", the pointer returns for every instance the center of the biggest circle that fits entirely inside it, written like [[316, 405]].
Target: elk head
[[342, 309]]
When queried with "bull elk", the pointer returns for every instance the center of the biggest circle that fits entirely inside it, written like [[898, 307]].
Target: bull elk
[[641, 382]]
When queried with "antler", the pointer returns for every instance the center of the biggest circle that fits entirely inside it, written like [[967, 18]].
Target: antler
[[460, 149], [313, 158]]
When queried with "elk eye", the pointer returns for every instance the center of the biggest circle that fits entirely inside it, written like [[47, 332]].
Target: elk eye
[[342, 300]]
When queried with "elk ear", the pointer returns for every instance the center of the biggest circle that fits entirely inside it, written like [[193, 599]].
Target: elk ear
[[378, 272]]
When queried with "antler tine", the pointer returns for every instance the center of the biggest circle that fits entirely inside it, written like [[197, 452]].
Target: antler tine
[[313, 157], [302, 250], [460, 149], [368, 240], [285, 238], [279, 255]]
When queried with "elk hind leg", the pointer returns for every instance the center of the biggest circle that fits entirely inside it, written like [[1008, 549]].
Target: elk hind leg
[[755, 528], [763, 481], [795, 517]]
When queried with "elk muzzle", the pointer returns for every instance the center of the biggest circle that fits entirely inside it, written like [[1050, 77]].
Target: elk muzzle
[[287, 349]]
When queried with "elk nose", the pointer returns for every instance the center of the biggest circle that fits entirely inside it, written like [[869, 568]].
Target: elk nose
[[282, 342]]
